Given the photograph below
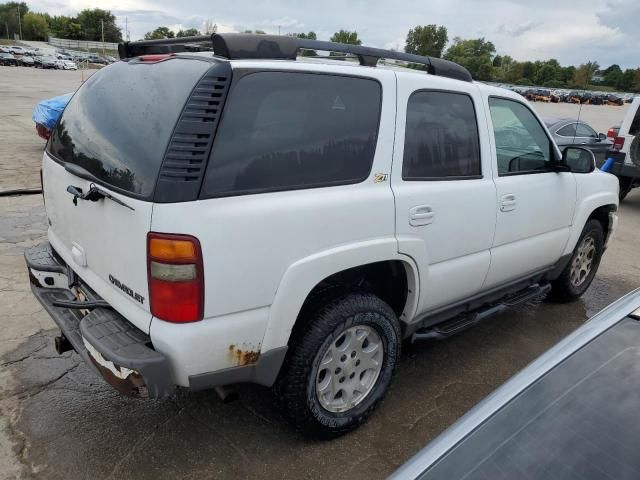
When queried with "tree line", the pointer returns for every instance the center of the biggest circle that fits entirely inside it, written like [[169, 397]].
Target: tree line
[[478, 55], [17, 19]]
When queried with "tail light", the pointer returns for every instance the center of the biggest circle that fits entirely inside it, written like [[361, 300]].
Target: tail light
[[176, 277], [612, 132], [618, 143]]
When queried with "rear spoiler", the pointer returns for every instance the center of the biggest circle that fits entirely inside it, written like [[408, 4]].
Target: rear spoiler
[[237, 46]]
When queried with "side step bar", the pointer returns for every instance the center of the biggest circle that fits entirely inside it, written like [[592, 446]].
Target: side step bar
[[462, 322]]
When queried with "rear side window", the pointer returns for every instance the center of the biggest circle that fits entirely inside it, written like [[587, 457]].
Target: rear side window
[[441, 137], [117, 126], [568, 130], [285, 131]]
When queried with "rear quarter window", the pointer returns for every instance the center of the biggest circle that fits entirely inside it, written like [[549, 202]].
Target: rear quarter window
[[286, 131], [118, 124]]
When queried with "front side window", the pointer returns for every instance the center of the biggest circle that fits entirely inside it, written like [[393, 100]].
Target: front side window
[[522, 146], [287, 131], [441, 137]]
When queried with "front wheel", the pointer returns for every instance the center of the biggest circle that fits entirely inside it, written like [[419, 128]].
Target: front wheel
[[339, 365], [581, 269]]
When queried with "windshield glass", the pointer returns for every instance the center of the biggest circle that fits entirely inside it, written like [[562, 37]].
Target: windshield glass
[[576, 422]]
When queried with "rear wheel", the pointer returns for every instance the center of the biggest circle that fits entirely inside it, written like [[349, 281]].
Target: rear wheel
[[579, 273], [340, 364]]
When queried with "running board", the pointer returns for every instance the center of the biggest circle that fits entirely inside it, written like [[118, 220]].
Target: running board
[[462, 322]]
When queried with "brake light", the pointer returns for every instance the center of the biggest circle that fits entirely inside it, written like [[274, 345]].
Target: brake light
[[155, 58], [618, 143], [176, 277], [612, 132]]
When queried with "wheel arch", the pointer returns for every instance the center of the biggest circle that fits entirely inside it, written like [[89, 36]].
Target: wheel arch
[[598, 207], [354, 266]]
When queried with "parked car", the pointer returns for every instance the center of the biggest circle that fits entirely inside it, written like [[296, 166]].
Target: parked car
[[568, 131], [8, 59], [97, 59], [63, 56], [48, 62], [67, 65], [331, 212], [566, 415], [615, 100], [26, 61], [17, 50], [626, 150]]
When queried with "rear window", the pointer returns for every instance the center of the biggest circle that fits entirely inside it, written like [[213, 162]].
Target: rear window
[[285, 131], [118, 124]]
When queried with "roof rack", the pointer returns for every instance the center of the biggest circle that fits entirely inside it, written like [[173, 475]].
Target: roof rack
[[238, 46]]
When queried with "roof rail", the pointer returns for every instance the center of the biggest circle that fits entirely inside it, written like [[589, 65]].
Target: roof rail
[[237, 46]]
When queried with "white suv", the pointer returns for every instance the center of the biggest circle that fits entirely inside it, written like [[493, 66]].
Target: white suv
[[250, 217]]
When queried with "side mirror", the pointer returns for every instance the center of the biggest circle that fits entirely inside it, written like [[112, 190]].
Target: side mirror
[[602, 137], [579, 159]]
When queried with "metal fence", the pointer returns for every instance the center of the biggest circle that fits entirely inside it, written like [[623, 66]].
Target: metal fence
[[81, 44]]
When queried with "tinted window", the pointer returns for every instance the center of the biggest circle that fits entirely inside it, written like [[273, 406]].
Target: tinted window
[[521, 143], [117, 126], [578, 421], [568, 130], [585, 131], [441, 137], [294, 130]]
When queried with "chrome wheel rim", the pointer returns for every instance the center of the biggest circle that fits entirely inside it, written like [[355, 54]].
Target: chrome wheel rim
[[349, 368], [582, 262]]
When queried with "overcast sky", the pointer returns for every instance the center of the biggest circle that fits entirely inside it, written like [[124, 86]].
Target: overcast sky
[[573, 31]]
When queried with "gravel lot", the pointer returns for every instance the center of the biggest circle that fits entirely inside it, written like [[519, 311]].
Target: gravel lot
[[58, 421]]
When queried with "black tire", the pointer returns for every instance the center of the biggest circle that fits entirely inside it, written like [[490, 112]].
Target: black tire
[[563, 289], [295, 388], [626, 184]]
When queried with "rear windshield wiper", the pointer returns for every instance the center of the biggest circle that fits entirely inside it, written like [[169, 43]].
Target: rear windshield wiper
[[94, 193]]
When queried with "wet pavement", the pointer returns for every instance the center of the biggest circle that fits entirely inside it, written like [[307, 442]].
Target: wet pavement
[[57, 420]]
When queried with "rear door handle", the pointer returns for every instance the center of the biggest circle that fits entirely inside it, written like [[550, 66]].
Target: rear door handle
[[421, 215], [508, 203]]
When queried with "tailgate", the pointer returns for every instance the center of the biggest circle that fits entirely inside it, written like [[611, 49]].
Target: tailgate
[[103, 242]]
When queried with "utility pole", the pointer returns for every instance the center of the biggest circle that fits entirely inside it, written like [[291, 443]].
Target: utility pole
[[102, 24], [6, 26], [126, 28], [278, 29], [19, 22]]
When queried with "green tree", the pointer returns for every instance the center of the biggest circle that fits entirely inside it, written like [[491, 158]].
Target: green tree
[[93, 21], [345, 36], [189, 32], [159, 33], [626, 81], [35, 27], [476, 55], [427, 40], [584, 73], [612, 75], [9, 17]]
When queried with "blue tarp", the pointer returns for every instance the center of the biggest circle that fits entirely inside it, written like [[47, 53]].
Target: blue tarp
[[48, 111]]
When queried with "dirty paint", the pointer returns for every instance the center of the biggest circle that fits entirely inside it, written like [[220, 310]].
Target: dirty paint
[[247, 355]]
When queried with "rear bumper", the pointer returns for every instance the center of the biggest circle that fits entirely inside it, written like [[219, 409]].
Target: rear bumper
[[117, 350]]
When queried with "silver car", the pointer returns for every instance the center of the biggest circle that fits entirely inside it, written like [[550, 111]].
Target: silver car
[[568, 131], [571, 414]]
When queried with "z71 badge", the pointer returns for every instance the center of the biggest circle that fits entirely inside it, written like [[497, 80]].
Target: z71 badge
[[380, 177]]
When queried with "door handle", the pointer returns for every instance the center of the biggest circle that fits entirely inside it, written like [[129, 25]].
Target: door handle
[[421, 215], [508, 203]]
